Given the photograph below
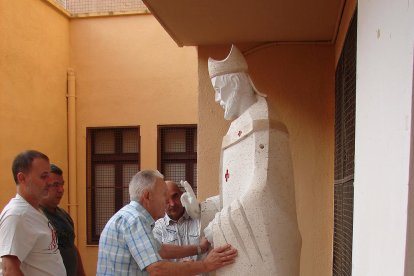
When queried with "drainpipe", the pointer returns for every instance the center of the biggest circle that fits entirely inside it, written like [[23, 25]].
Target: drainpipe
[[72, 186]]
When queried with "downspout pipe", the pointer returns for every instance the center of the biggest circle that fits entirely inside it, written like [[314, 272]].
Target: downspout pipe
[[72, 186]]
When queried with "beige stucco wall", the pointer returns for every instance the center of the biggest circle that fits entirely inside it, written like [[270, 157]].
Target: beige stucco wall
[[34, 56], [128, 73], [299, 82]]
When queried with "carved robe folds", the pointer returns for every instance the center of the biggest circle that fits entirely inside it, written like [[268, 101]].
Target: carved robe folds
[[258, 214]]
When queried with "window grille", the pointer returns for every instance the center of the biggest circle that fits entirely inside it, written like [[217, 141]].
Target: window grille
[[113, 156], [345, 91], [79, 7], [177, 152]]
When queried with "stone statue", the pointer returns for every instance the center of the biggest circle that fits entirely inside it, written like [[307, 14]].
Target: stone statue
[[256, 209]]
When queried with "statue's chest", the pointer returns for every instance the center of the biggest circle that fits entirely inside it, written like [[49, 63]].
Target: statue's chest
[[237, 168]]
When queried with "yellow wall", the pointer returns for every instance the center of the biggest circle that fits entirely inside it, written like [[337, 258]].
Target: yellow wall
[[299, 82], [128, 73], [34, 56]]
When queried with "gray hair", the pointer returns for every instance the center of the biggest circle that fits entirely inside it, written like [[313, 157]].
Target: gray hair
[[142, 181]]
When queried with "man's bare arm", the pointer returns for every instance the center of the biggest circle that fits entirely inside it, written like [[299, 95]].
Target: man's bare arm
[[170, 251], [11, 266], [217, 258]]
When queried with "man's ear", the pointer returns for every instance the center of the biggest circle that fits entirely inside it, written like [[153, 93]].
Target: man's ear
[[21, 177], [146, 195]]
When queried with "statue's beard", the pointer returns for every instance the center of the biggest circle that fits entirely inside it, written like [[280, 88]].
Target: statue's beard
[[232, 106]]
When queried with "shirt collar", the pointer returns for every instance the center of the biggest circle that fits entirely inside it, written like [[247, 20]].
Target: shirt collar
[[169, 220], [142, 210]]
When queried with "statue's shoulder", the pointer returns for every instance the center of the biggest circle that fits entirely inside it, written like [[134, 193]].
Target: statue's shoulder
[[255, 118], [259, 110], [261, 117]]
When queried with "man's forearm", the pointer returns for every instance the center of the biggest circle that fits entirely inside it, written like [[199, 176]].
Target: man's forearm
[[11, 266], [170, 251], [177, 268], [217, 258]]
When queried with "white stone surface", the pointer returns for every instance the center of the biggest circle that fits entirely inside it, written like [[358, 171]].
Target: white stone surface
[[258, 214], [383, 131], [257, 193]]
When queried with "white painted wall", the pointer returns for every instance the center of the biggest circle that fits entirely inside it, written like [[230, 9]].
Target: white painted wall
[[383, 129]]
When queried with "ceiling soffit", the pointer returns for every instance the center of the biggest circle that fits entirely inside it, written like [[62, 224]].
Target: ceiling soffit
[[215, 22]]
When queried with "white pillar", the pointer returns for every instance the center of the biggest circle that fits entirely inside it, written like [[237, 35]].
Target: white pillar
[[382, 139]]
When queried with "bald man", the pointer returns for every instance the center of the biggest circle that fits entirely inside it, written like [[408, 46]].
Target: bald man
[[177, 227]]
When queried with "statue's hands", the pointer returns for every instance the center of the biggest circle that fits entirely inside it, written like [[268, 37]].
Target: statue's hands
[[189, 201]]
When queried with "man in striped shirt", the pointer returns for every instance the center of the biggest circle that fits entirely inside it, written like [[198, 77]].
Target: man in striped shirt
[[128, 247], [177, 227]]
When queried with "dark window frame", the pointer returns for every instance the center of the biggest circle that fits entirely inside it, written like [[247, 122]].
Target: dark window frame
[[118, 159], [189, 157]]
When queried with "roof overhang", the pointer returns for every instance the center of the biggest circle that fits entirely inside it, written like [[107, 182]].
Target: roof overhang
[[217, 22]]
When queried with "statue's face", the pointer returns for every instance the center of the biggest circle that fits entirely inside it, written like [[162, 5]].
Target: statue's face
[[225, 96]]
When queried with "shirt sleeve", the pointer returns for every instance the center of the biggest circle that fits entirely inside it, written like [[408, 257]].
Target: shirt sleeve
[[17, 237], [157, 231], [141, 243]]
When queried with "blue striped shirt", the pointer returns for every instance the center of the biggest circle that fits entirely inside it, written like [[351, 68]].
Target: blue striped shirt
[[127, 245]]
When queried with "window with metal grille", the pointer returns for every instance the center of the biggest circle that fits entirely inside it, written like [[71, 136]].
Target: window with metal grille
[[177, 153], [345, 91], [113, 156], [84, 7]]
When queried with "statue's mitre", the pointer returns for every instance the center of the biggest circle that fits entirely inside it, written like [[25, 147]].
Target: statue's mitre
[[233, 63]]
